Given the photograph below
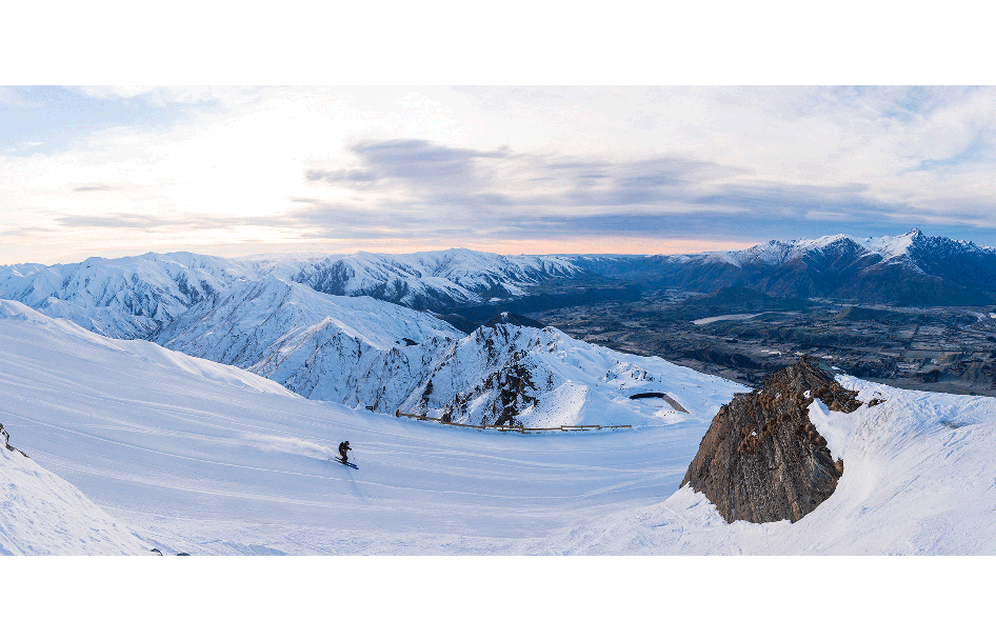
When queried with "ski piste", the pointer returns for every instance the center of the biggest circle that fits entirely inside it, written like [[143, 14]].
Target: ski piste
[[348, 464]]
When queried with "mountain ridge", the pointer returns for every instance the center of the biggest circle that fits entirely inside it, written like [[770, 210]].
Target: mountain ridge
[[134, 297], [270, 317], [908, 270], [363, 352]]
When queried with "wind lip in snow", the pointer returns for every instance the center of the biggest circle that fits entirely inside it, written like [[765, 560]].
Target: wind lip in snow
[[834, 430]]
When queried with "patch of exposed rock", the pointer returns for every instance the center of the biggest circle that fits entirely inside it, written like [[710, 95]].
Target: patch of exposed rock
[[6, 442], [762, 459]]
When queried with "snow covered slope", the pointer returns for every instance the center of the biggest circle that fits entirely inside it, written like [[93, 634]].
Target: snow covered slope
[[368, 353], [507, 374], [122, 298], [199, 457], [919, 478], [132, 297], [42, 514], [433, 279], [349, 350]]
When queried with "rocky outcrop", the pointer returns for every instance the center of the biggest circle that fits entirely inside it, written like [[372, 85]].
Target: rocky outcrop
[[6, 442], [762, 459]]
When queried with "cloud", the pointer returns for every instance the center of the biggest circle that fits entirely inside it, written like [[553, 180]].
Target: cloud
[[270, 165], [356, 178], [364, 223], [463, 192], [412, 164], [437, 175], [420, 160], [114, 221], [94, 187], [162, 223]]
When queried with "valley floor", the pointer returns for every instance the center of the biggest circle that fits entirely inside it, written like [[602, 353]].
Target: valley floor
[[941, 349]]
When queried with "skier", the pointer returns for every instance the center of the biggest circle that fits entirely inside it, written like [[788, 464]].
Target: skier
[[343, 448]]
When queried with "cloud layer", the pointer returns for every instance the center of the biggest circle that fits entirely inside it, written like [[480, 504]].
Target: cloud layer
[[605, 168]]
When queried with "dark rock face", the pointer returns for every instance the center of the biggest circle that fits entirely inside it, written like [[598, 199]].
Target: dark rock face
[[762, 459]]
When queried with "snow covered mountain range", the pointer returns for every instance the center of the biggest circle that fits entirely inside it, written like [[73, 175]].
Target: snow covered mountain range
[[123, 298], [908, 270], [368, 353], [350, 329], [133, 297], [356, 350], [435, 280], [139, 296]]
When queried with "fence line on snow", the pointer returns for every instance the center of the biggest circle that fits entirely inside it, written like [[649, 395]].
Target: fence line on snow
[[517, 428]]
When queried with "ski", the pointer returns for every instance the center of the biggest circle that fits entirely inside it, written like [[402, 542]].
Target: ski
[[348, 464]]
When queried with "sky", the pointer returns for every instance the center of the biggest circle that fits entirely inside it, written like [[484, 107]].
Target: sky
[[236, 163]]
